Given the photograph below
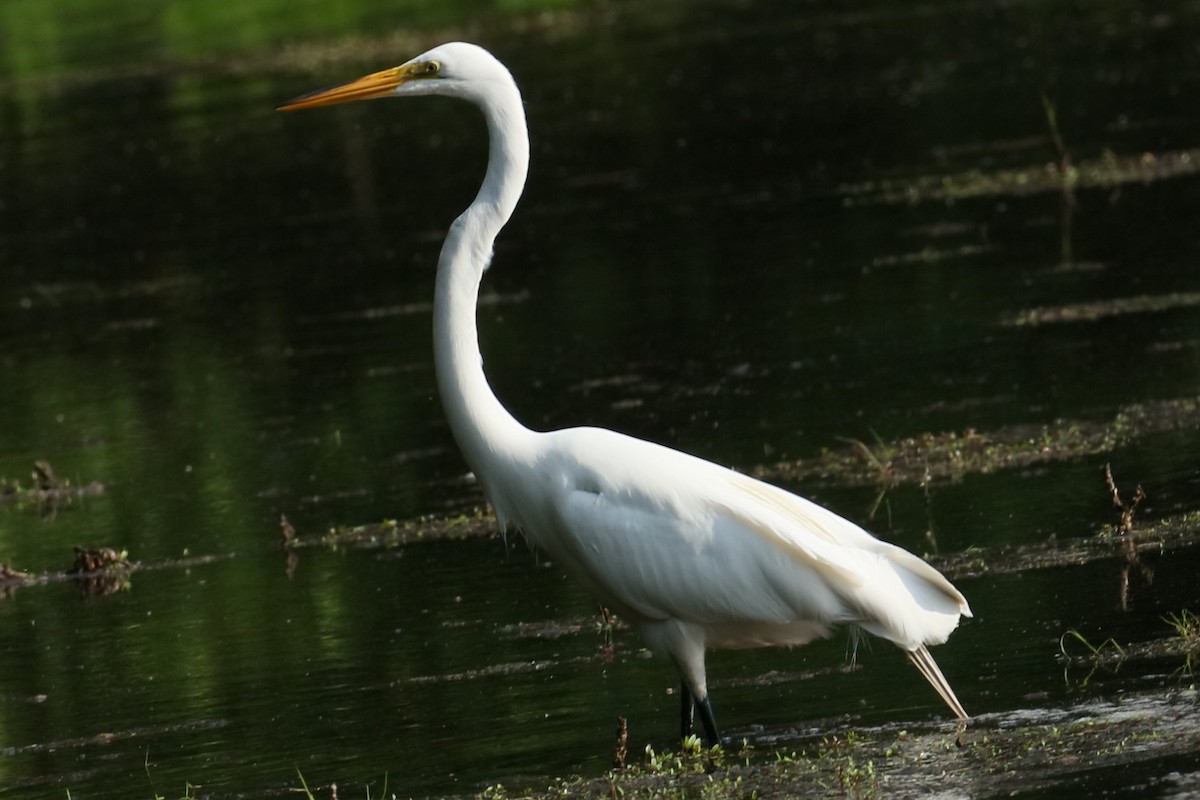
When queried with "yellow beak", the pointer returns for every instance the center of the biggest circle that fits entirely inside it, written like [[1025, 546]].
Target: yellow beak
[[368, 87]]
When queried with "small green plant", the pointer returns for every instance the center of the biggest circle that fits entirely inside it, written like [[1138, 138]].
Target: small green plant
[[689, 759], [189, 790], [493, 793], [1093, 649], [1097, 655], [382, 792], [1187, 631], [836, 755], [308, 795], [879, 458], [1067, 173], [858, 780]]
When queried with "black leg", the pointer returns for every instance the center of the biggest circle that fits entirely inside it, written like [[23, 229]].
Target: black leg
[[710, 723], [687, 705]]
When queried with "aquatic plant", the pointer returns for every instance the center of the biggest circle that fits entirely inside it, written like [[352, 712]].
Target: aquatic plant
[[1187, 633]]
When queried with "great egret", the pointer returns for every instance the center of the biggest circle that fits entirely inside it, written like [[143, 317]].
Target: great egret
[[694, 554]]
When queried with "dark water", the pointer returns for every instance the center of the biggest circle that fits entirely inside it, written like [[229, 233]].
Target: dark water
[[221, 313]]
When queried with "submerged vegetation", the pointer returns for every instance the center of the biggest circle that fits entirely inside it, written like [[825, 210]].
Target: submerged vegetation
[[1076, 650], [1108, 171], [95, 571], [392, 533], [1092, 311], [923, 459], [1176, 531], [951, 456], [45, 491]]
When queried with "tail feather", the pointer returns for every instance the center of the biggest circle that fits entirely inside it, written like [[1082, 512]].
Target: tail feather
[[924, 662]]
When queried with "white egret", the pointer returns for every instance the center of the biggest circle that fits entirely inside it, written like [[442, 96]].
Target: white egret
[[693, 554]]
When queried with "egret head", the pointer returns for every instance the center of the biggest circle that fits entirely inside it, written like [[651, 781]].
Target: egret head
[[456, 69]]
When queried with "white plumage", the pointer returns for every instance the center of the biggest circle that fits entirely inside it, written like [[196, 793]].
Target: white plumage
[[693, 554]]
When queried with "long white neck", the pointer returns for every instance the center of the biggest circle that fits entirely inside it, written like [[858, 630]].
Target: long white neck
[[487, 434]]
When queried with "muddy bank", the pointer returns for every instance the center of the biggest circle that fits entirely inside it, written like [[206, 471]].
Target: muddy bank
[[1092, 745]]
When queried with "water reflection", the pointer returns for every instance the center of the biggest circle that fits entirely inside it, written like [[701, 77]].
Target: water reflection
[[222, 318]]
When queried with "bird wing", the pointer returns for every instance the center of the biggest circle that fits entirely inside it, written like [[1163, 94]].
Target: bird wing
[[891, 592], [666, 535]]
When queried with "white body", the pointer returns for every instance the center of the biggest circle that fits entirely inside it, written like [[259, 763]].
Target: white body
[[696, 555], [693, 554]]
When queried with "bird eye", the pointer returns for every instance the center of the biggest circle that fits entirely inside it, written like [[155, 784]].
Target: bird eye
[[432, 67]]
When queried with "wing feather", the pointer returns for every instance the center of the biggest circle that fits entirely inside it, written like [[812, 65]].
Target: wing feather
[[663, 535]]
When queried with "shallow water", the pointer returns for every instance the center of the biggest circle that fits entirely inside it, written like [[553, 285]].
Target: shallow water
[[733, 241]]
